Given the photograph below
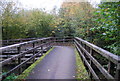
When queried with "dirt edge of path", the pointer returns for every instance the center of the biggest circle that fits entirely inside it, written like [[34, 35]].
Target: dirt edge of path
[[81, 72]]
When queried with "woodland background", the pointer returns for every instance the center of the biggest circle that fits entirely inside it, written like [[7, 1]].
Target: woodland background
[[100, 26]]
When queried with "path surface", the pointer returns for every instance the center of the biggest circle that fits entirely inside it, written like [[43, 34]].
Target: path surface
[[58, 64]]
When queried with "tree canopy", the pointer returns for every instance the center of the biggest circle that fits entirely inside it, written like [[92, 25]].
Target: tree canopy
[[100, 26]]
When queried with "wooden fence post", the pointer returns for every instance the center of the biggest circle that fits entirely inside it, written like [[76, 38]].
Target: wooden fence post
[[19, 59], [54, 41], [111, 67], [117, 74], [33, 52], [50, 40], [91, 51], [41, 48], [7, 43], [63, 39]]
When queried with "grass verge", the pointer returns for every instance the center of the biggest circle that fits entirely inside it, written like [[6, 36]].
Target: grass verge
[[30, 68], [81, 72]]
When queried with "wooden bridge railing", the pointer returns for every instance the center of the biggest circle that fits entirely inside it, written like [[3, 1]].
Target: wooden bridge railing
[[100, 63], [66, 41], [20, 50], [36, 47], [15, 41]]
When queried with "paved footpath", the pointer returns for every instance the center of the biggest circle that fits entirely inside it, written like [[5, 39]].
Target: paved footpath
[[58, 64]]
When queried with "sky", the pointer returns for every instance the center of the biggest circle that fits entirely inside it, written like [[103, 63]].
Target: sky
[[48, 5]]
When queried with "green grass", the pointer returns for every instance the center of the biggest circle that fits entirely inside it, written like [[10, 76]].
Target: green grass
[[81, 72], [11, 77], [30, 68]]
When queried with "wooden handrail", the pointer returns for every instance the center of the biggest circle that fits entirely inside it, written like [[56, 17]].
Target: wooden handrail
[[34, 44], [23, 43], [99, 66], [20, 55], [21, 39], [87, 63], [89, 51], [114, 58], [21, 64], [15, 41]]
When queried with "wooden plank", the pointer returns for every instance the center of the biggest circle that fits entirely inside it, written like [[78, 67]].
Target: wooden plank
[[19, 60], [117, 74], [89, 67], [15, 41], [20, 65], [99, 66], [20, 55], [111, 67], [33, 52], [23, 43], [112, 57]]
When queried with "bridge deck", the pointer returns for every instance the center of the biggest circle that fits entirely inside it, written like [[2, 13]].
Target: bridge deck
[[60, 63]]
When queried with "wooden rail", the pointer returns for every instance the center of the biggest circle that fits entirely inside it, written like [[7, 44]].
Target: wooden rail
[[21, 49], [15, 41], [36, 47], [100, 63]]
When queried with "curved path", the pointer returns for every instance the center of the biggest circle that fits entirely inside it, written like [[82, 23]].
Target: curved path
[[60, 63]]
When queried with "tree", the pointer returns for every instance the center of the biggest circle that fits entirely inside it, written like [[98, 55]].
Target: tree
[[19, 23], [107, 29]]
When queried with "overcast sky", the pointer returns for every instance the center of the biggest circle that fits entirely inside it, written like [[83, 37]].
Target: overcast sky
[[47, 4]]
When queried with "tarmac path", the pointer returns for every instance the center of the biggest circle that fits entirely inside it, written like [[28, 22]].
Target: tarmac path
[[60, 63]]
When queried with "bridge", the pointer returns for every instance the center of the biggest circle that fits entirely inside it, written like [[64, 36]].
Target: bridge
[[60, 62]]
